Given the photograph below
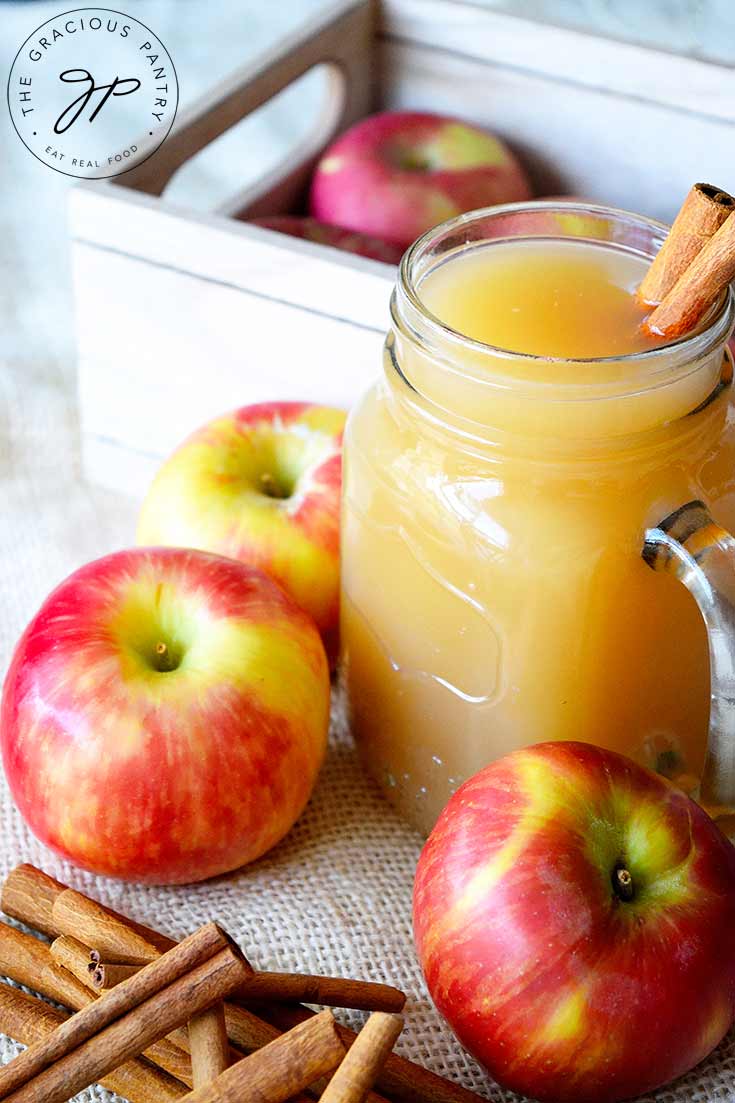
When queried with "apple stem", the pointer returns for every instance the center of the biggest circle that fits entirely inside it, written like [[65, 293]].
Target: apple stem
[[165, 662], [622, 884], [269, 485]]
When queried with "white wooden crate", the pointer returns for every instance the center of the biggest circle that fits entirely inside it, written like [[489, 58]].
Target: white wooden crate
[[182, 316]]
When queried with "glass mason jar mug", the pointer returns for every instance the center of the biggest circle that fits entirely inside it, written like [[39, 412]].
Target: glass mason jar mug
[[501, 517]]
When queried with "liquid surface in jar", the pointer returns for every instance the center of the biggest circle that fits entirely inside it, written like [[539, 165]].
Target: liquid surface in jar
[[569, 299]]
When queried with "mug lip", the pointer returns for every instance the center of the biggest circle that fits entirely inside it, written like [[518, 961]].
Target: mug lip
[[695, 344]]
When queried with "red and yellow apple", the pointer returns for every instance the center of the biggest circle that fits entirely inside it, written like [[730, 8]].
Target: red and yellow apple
[[573, 914], [165, 715], [396, 174], [261, 485], [310, 229]]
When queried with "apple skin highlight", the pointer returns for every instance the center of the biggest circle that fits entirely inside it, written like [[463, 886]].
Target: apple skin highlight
[[396, 174], [564, 991], [165, 716]]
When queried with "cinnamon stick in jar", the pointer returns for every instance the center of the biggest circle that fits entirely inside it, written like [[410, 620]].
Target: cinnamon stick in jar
[[29, 1020], [128, 1036], [702, 213], [698, 288], [365, 1058], [277, 1072]]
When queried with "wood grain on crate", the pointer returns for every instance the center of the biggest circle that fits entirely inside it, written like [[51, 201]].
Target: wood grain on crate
[[182, 315]]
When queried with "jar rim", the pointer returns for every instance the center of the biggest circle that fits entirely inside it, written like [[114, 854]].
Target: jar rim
[[684, 350]]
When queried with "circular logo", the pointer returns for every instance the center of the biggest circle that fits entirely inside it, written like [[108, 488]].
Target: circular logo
[[92, 93]]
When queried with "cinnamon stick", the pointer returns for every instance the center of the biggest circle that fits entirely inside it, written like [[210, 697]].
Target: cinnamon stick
[[279, 1070], [249, 1032], [362, 995], [29, 894], [364, 1060], [698, 288], [400, 1079], [73, 955], [127, 1036], [29, 1020], [114, 940], [702, 213], [195, 950], [91, 923], [29, 962], [104, 975], [246, 1030], [209, 1044], [32, 897]]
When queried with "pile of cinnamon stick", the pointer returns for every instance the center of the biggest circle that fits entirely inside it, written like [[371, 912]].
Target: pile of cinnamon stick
[[155, 1020]]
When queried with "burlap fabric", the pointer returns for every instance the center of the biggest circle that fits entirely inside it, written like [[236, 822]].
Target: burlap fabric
[[335, 896]]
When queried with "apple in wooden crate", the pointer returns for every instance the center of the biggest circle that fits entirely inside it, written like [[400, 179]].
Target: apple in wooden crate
[[573, 914], [310, 229], [165, 715], [396, 174], [262, 485]]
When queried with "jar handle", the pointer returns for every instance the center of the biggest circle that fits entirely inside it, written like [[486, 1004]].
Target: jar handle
[[690, 545]]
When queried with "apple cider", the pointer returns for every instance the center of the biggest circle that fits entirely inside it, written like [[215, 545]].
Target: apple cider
[[498, 484]]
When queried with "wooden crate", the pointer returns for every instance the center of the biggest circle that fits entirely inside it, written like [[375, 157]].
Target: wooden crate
[[182, 316]]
